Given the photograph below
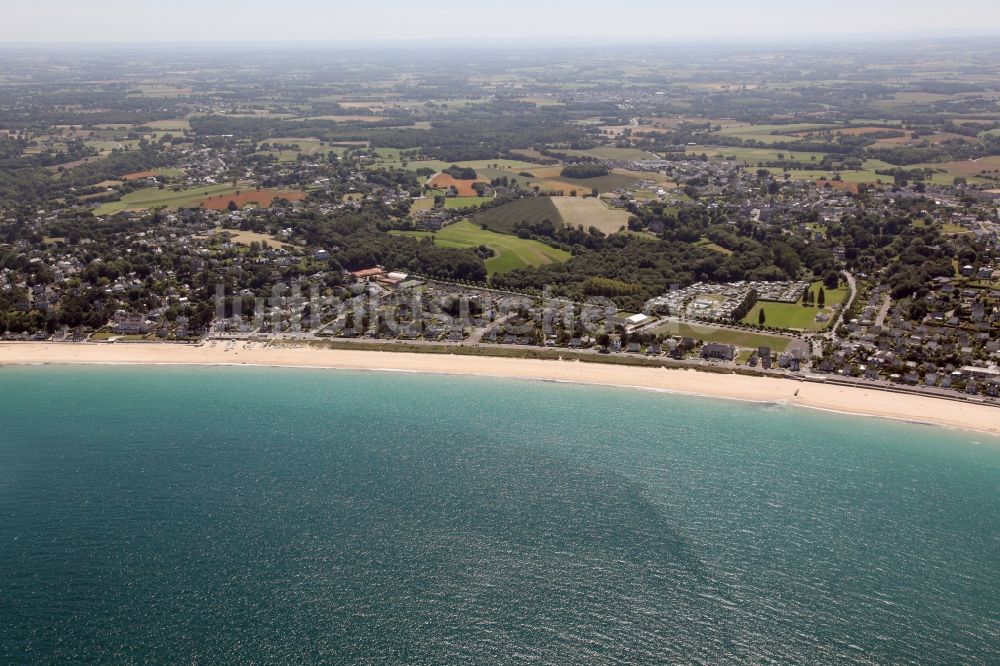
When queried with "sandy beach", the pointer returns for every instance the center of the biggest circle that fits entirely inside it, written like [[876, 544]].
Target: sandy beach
[[860, 401]]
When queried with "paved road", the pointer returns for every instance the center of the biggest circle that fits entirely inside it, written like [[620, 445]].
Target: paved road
[[852, 285], [883, 311]]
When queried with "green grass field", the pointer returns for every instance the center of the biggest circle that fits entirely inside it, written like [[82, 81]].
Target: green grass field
[[709, 245], [498, 166], [951, 228], [422, 205], [615, 153], [154, 197], [706, 333], [305, 147], [764, 133], [532, 210], [754, 156], [602, 184], [177, 125], [106, 146], [465, 202], [795, 315], [511, 252]]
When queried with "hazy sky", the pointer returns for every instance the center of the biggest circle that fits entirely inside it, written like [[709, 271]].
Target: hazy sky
[[646, 20]]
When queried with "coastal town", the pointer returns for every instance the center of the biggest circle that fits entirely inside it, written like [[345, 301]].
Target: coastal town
[[530, 333], [785, 247]]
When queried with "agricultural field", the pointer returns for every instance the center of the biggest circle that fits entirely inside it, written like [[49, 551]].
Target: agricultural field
[[968, 169], [532, 210], [788, 132], [347, 118], [662, 180], [858, 176], [303, 147], [508, 167], [753, 156], [104, 146], [164, 90], [262, 198], [512, 252], [154, 197], [549, 179], [590, 212], [444, 181], [541, 101], [614, 153], [175, 125], [166, 173]]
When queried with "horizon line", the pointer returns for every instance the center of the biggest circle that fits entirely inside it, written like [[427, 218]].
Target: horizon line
[[782, 39]]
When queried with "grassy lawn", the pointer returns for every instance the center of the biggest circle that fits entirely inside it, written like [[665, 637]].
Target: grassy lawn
[[465, 202], [511, 252], [951, 228], [707, 333], [422, 204], [795, 315], [709, 245], [107, 335], [154, 197]]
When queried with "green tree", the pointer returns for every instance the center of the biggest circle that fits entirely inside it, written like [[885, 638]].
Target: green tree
[[821, 298], [761, 317]]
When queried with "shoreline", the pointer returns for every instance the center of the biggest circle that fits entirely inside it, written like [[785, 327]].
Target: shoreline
[[846, 400]]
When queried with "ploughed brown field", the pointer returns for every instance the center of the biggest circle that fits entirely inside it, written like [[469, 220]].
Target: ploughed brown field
[[263, 198], [138, 175], [443, 181]]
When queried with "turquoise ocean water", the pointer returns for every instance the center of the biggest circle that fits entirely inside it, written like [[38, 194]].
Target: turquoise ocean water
[[242, 515]]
